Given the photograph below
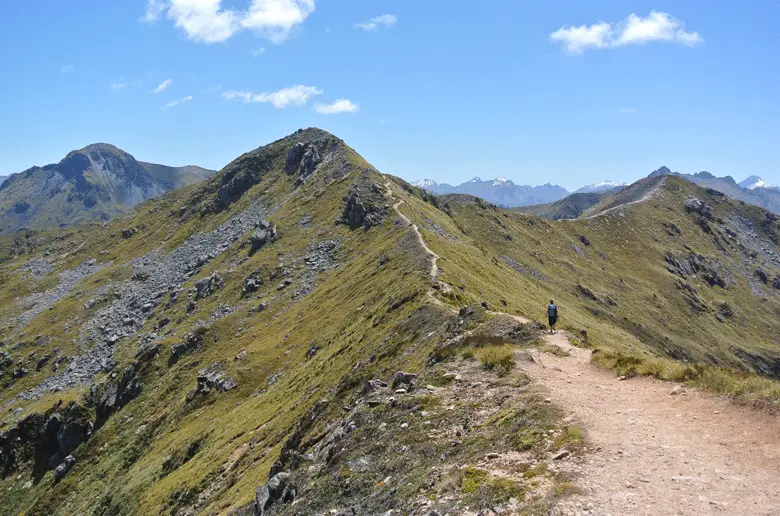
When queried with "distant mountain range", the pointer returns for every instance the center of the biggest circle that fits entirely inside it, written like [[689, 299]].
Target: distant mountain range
[[2, 178], [94, 183], [503, 192]]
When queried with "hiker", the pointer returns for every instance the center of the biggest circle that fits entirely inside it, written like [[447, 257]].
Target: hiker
[[552, 315]]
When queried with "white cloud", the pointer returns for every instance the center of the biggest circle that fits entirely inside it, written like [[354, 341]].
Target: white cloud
[[67, 69], [177, 102], [657, 26], [117, 86], [206, 21], [627, 111], [163, 86], [385, 20], [257, 52], [280, 99], [336, 107], [274, 19], [154, 8]]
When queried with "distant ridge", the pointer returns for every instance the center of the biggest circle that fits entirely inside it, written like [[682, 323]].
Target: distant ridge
[[96, 182]]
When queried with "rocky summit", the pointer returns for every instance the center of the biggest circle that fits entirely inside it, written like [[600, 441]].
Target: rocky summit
[[95, 183], [302, 334]]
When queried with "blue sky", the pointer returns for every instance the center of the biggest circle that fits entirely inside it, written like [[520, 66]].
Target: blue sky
[[564, 91]]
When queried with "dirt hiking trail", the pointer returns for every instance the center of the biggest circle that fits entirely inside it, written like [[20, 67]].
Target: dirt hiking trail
[[653, 452], [653, 447]]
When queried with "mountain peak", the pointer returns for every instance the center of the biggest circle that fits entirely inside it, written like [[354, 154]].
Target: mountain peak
[[753, 182], [663, 171]]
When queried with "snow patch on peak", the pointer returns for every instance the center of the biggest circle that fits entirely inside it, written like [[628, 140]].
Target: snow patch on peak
[[425, 183], [500, 181], [600, 187], [754, 182]]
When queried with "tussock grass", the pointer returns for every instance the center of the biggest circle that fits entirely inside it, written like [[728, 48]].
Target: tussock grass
[[743, 387], [500, 359]]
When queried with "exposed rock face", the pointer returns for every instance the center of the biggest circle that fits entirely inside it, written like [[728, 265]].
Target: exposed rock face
[[303, 157], [44, 439], [364, 205], [699, 207], [112, 397], [276, 489], [294, 157], [694, 264]]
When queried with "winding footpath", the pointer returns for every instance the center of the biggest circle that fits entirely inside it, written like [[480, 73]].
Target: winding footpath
[[653, 447]]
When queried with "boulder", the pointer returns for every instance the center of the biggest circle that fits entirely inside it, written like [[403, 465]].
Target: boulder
[[277, 489], [260, 238], [213, 378], [401, 379], [204, 287], [251, 285], [63, 469]]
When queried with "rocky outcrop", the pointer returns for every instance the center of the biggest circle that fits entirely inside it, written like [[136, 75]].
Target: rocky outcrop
[[277, 489], [110, 397], [206, 286], [212, 378], [303, 158], [189, 342], [365, 205], [699, 207], [264, 234], [694, 264], [45, 439]]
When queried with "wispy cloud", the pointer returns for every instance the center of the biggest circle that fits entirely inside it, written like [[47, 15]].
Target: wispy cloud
[[385, 20], [163, 86], [67, 69], [257, 52], [280, 99], [177, 102], [154, 9], [213, 89], [336, 107], [118, 86], [627, 111], [657, 26], [206, 21]]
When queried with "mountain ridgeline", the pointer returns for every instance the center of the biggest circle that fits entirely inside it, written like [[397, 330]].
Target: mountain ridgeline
[[91, 184], [300, 333]]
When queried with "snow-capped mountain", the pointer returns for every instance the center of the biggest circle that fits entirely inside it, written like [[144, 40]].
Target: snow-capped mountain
[[754, 182], [499, 191], [603, 186]]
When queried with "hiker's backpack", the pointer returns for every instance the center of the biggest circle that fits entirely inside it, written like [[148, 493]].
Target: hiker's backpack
[[552, 311]]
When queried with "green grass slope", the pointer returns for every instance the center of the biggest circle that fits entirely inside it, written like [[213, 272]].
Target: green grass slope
[[276, 334], [570, 207]]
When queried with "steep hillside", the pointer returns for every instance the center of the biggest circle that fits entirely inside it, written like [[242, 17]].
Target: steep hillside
[[94, 183], [300, 333], [570, 207]]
